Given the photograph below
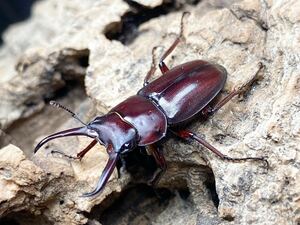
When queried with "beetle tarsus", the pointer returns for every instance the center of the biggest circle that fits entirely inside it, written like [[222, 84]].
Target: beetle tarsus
[[263, 159], [152, 68], [64, 154]]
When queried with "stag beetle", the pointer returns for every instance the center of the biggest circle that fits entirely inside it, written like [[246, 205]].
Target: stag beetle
[[158, 107]]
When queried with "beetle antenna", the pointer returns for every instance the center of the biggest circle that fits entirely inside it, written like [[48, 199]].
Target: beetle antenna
[[74, 115]]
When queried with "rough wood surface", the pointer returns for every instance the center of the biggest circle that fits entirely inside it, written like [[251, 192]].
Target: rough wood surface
[[74, 50]]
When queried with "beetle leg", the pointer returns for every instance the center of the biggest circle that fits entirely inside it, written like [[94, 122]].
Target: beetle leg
[[185, 134], [81, 154], [162, 66], [209, 110], [152, 68], [63, 154], [161, 162]]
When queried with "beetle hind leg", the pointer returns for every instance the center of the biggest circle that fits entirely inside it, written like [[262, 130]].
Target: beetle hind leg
[[185, 134]]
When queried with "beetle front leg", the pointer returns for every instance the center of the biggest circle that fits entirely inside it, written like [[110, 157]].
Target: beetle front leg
[[158, 155], [81, 154], [185, 134], [162, 66]]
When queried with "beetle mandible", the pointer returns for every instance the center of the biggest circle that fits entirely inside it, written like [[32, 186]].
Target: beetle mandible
[[160, 106]]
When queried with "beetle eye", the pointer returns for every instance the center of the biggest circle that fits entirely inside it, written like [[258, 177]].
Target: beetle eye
[[126, 147]]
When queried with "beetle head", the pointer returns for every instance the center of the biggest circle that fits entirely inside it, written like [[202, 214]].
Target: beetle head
[[112, 131]]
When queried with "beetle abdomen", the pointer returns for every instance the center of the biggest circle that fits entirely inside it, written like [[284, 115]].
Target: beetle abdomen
[[186, 89], [149, 121]]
